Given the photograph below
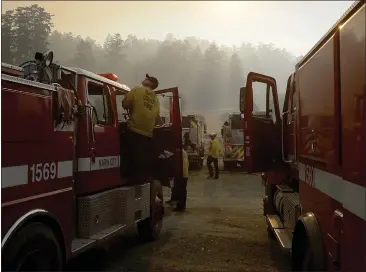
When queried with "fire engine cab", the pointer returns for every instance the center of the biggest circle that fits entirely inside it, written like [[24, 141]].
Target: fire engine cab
[[313, 155], [64, 187]]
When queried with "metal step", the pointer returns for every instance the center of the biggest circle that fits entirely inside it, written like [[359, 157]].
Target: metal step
[[274, 221], [80, 245], [284, 188], [108, 232], [283, 238]]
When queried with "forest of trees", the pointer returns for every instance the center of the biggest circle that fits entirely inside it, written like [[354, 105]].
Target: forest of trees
[[208, 75]]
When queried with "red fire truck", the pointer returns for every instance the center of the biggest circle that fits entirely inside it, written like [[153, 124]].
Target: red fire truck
[[64, 188], [313, 155]]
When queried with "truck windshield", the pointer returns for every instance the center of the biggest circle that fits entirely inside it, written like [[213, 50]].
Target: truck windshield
[[186, 122], [236, 121]]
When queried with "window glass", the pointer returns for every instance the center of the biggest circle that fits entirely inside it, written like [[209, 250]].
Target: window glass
[[99, 98], [294, 101], [236, 122], [165, 101], [259, 97], [271, 112], [260, 93]]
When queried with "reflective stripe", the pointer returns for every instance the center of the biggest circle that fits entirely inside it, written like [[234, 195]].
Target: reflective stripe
[[101, 163], [14, 176], [352, 196], [237, 152], [64, 169], [18, 175]]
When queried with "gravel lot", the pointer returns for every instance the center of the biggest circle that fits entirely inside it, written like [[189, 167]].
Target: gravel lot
[[223, 229]]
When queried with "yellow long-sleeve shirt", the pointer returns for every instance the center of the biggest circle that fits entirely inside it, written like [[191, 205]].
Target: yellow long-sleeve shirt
[[144, 108], [215, 148]]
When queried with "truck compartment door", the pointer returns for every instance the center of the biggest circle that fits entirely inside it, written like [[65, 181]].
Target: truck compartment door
[[167, 139], [262, 123]]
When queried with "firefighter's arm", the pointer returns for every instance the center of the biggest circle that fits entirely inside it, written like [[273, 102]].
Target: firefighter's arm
[[127, 101]]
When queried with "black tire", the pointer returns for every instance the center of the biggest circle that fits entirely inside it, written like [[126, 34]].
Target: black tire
[[308, 264], [304, 260], [149, 229], [34, 248]]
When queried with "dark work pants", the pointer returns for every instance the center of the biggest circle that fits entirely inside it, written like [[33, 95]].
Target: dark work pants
[[181, 185], [215, 161], [137, 157], [174, 196]]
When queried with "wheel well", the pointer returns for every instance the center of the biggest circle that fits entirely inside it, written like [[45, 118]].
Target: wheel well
[[50, 222]]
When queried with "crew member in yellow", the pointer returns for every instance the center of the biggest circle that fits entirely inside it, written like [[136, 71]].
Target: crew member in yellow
[[143, 107], [213, 157], [181, 183]]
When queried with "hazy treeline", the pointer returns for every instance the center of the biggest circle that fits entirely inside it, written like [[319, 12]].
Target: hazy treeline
[[208, 75]]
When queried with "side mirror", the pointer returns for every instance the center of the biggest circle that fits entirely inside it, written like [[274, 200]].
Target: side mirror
[[242, 99]]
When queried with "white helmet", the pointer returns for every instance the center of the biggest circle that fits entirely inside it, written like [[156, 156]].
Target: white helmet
[[213, 134]]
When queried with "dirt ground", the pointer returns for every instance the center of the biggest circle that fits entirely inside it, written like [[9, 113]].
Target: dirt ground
[[223, 229]]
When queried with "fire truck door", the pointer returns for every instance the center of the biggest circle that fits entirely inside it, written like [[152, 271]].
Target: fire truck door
[[104, 141], [262, 123], [167, 141]]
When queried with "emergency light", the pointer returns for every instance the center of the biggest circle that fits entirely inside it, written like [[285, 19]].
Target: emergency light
[[110, 76]]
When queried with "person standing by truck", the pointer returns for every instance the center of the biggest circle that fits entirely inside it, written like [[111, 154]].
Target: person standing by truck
[[213, 157], [144, 107], [181, 184]]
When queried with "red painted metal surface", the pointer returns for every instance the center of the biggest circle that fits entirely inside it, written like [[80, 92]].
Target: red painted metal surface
[[325, 139], [32, 143], [28, 138]]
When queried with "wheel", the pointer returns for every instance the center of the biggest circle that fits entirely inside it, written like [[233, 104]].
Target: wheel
[[149, 229], [307, 264], [34, 248], [305, 261]]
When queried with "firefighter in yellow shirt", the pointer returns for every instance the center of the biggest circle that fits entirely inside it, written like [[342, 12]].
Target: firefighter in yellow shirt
[[213, 157], [143, 107], [181, 184]]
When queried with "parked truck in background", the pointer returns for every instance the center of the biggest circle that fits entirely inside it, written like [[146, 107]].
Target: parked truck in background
[[233, 141], [64, 188], [312, 156], [193, 132]]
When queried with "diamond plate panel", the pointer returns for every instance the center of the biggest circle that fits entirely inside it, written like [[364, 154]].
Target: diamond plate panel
[[95, 213], [143, 203], [290, 202], [125, 212]]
